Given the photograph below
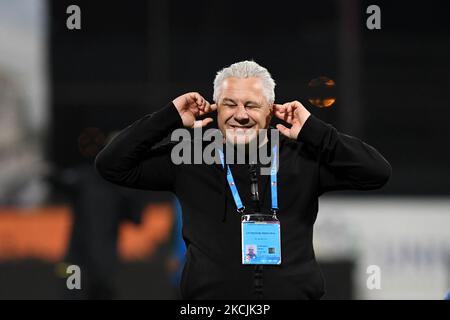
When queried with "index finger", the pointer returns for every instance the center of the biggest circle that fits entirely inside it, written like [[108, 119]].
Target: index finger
[[197, 98]]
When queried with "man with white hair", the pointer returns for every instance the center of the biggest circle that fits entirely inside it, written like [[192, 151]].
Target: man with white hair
[[312, 158]]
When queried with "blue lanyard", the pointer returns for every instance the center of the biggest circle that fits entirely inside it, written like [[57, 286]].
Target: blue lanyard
[[273, 179], [273, 182]]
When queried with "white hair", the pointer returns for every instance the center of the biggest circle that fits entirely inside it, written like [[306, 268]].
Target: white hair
[[242, 70]]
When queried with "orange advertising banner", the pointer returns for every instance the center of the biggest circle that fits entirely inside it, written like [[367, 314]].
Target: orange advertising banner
[[44, 233]]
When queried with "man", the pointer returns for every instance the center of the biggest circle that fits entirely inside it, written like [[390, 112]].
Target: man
[[313, 158], [251, 253]]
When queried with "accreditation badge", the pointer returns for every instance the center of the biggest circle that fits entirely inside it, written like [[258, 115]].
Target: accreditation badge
[[261, 240]]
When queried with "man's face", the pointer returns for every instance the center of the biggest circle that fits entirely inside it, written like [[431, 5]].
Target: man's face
[[242, 109]]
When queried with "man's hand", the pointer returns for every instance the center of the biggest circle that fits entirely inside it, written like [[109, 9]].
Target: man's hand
[[192, 105], [293, 113]]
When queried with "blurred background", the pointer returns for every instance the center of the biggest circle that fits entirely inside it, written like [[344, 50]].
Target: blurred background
[[64, 93]]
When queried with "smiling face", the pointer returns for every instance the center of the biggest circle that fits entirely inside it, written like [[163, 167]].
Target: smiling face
[[242, 109]]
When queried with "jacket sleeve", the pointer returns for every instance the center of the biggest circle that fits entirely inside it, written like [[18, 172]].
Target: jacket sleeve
[[131, 158], [345, 162]]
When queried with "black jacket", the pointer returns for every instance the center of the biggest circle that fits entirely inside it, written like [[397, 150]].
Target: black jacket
[[321, 160]]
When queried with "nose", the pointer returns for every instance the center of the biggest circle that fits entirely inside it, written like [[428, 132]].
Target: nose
[[241, 114]]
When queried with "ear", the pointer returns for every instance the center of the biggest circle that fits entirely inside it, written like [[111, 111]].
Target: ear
[[271, 110], [269, 115]]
